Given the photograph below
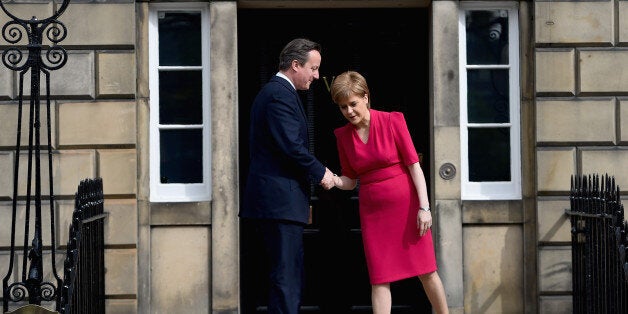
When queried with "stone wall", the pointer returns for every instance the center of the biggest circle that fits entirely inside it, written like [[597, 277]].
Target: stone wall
[[93, 135], [580, 95]]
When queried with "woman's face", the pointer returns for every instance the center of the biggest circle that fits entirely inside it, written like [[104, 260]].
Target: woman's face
[[355, 109]]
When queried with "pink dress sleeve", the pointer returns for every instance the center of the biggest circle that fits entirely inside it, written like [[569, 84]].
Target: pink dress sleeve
[[403, 140], [341, 142]]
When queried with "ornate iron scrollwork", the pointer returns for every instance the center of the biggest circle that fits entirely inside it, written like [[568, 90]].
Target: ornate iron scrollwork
[[35, 59]]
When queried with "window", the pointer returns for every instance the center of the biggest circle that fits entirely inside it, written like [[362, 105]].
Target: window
[[179, 102], [489, 101]]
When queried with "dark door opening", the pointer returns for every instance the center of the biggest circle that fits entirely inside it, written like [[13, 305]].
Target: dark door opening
[[390, 48]]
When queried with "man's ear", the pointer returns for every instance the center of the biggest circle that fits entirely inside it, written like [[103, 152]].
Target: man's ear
[[295, 64]]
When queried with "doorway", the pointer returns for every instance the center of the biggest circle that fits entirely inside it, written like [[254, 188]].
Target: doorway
[[390, 48]]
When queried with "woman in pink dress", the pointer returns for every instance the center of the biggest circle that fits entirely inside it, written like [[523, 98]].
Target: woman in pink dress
[[375, 147]]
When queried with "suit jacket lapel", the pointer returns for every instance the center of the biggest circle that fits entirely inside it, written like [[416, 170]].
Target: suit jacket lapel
[[301, 106], [287, 85]]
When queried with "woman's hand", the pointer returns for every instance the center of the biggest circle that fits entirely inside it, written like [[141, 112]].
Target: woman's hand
[[344, 183], [423, 221]]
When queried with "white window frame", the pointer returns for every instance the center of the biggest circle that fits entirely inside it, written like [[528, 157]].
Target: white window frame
[[497, 190], [178, 192]]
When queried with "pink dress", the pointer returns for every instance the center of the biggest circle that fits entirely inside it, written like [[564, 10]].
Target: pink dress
[[388, 199]]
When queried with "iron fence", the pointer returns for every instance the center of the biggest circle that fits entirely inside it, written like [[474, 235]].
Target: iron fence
[[599, 246], [83, 288]]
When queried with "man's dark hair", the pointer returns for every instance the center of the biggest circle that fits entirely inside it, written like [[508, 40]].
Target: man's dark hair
[[297, 49]]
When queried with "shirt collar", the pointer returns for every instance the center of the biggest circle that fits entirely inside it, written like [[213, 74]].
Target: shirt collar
[[286, 78]]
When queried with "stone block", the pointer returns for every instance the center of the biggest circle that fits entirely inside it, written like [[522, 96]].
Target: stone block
[[8, 121], [6, 210], [447, 152], [554, 269], [553, 223], [191, 290], [612, 161], [74, 79], [188, 213], [574, 22], [64, 218], [574, 120], [118, 169], [121, 306], [623, 22], [73, 167], [97, 123], [116, 74], [86, 22], [555, 167], [601, 71], [492, 212], [121, 222], [555, 71], [143, 141], [493, 269], [562, 304], [445, 65], [142, 50], [448, 240], [121, 271], [6, 181], [623, 116], [6, 83], [69, 167]]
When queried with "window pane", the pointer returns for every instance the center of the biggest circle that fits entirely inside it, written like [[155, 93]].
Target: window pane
[[487, 37], [180, 97], [181, 156], [179, 38], [487, 96], [489, 154]]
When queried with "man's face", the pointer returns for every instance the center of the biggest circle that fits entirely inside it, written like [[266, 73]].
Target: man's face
[[308, 72]]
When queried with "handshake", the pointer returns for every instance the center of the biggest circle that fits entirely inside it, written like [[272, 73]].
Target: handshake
[[329, 179]]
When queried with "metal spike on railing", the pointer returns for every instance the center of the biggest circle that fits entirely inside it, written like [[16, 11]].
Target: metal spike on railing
[[599, 245]]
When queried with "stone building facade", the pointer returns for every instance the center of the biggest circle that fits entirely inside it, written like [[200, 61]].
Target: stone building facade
[[501, 255]]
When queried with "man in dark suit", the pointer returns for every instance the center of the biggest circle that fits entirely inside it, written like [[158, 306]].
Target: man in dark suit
[[276, 198]]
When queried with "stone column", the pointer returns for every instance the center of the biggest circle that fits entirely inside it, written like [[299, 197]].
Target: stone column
[[224, 99], [446, 149]]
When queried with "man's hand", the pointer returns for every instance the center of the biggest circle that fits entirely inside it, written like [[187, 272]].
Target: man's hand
[[328, 179]]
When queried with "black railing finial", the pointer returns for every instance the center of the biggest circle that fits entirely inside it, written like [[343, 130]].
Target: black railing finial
[[599, 245]]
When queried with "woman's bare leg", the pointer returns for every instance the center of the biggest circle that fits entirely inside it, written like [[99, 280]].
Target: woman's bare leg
[[433, 287], [381, 299]]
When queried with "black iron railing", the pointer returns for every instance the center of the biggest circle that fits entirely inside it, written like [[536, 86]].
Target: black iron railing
[[33, 60], [83, 288], [599, 246]]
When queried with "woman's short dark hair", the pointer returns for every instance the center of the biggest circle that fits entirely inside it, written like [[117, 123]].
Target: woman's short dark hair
[[297, 49]]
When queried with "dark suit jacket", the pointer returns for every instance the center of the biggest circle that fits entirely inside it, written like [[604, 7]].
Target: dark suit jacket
[[281, 166]]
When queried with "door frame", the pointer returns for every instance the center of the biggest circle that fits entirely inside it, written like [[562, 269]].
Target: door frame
[[444, 127]]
